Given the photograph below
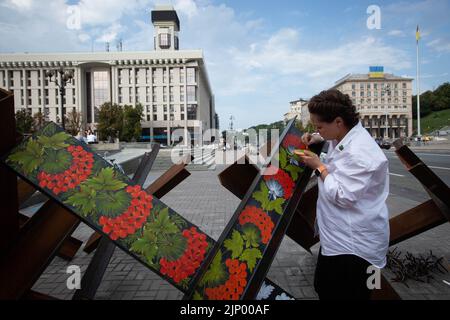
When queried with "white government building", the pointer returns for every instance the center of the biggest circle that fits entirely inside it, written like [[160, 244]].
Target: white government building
[[383, 100], [171, 84]]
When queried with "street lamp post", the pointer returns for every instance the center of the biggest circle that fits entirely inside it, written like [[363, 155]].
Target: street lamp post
[[66, 76], [387, 90]]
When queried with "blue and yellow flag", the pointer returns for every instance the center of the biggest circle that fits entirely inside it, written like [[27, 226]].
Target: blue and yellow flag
[[417, 34]]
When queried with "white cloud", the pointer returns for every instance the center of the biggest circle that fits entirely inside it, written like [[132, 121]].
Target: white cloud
[[18, 4], [84, 37], [186, 7], [101, 12], [110, 34], [396, 33], [439, 45]]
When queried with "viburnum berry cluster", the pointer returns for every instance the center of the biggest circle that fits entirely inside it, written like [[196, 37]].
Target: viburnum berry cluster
[[259, 218], [78, 172], [193, 255], [132, 219], [283, 178], [234, 286]]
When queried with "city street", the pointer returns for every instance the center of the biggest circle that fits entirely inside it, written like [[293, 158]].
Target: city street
[[403, 184]]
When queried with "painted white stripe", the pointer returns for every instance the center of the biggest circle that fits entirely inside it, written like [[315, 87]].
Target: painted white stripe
[[440, 168], [425, 154], [395, 174]]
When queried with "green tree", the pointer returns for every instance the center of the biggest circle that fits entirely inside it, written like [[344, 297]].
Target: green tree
[[132, 117], [24, 121], [299, 125], [38, 121], [431, 101], [309, 127], [73, 122], [110, 120]]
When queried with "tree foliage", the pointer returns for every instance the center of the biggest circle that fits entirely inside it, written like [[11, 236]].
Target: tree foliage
[[110, 121], [38, 121], [116, 121], [132, 117], [73, 122], [24, 121], [430, 101]]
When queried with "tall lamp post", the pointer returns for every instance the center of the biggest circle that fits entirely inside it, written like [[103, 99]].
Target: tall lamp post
[[65, 76], [387, 90]]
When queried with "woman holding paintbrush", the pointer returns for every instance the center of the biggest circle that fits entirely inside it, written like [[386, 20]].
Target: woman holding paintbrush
[[352, 216]]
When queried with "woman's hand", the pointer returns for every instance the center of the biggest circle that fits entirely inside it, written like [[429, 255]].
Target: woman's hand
[[309, 138], [309, 158]]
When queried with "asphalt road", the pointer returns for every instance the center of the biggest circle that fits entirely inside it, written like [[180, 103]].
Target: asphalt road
[[404, 184]]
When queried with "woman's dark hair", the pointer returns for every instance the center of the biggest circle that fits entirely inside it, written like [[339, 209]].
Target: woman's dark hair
[[330, 104]]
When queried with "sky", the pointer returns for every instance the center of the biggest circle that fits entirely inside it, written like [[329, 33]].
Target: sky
[[259, 55]]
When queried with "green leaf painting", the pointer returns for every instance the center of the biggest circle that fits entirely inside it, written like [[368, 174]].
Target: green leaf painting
[[251, 236], [111, 204], [30, 158], [56, 161], [106, 181], [55, 142], [84, 200], [250, 256], [69, 172], [235, 244], [216, 273]]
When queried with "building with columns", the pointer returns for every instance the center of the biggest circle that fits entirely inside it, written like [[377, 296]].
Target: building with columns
[[383, 100], [171, 84]]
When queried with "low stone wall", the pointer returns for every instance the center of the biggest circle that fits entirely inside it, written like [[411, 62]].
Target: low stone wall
[[101, 146]]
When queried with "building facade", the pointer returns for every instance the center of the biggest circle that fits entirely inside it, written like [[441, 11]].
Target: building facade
[[299, 109], [384, 102], [171, 84]]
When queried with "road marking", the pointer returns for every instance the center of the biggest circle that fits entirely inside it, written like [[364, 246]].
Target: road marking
[[441, 168], [446, 282], [395, 174], [425, 154]]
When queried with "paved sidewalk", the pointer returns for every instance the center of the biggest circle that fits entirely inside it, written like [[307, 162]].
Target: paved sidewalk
[[202, 200]]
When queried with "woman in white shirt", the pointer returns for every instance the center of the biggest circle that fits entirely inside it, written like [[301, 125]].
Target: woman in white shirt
[[352, 216]]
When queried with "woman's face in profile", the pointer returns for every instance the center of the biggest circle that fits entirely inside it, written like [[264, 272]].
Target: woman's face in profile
[[328, 131]]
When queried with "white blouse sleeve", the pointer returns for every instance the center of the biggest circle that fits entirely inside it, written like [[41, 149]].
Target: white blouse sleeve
[[348, 182]]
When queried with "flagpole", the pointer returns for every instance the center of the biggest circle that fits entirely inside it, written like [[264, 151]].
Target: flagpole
[[418, 88]]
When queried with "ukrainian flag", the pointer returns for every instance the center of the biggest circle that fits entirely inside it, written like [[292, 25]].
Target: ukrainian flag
[[417, 34]]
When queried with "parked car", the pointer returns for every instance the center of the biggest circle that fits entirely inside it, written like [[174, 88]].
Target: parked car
[[385, 145]]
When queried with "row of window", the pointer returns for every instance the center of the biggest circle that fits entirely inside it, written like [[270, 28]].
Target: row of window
[[382, 100], [376, 94], [376, 86], [191, 113], [191, 92], [381, 107], [126, 76], [382, 122], [46, 96], [29, 78]]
